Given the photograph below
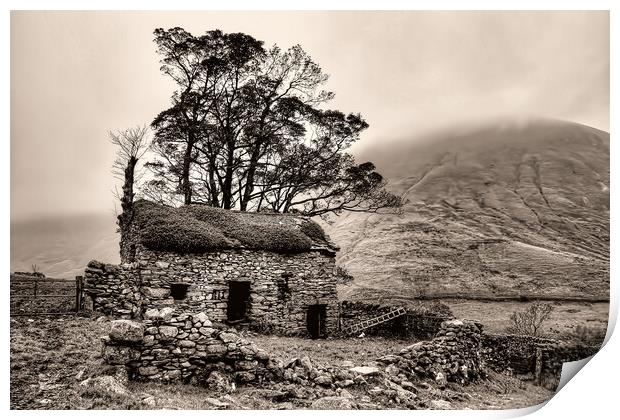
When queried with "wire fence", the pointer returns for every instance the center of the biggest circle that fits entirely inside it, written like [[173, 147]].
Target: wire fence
[[36, 296]]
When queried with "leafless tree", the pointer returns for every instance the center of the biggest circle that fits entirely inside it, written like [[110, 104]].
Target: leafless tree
[[132, 144], [531, 320]]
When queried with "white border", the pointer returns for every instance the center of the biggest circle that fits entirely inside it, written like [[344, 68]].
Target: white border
[[592, 394]]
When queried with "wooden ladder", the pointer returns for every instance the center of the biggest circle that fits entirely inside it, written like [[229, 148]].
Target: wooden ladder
[[364, 325]]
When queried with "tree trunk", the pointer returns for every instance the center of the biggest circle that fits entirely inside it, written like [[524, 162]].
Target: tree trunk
[[249, 184], [215, 202], [126, 217], [186, 187], [228, 178]]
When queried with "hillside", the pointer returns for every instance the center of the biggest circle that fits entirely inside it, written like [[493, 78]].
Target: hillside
[[508, 210], [499, 211], [62, 246]]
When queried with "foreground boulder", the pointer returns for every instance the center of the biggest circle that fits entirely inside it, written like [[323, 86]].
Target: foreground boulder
[[126, 331], [332, 403], [106, 383]]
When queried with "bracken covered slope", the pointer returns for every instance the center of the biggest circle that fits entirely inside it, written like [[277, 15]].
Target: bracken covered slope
[[509, 210]]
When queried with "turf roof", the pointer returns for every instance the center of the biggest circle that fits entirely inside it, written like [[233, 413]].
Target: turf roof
[[199, 228]]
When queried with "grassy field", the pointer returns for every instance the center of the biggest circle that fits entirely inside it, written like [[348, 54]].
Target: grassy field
[[566, 316], [52, 295], [51, 357], [330, 350]]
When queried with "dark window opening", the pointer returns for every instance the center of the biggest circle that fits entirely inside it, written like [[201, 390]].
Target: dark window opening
[[315, 321], [218, 295], [283, 288], [132, 253], [178, 291], [238, 300]]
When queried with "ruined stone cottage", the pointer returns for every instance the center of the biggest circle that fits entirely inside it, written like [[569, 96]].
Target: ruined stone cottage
[[272, 272]]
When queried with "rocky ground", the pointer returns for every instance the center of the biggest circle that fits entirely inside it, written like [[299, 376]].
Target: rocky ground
[[56, 364], [565, 318]]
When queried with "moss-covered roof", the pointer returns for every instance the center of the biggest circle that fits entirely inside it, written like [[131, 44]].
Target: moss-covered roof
[[199, 228]]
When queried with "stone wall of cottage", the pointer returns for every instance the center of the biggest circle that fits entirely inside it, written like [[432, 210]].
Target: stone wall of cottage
[[113, 289], [282, 286]]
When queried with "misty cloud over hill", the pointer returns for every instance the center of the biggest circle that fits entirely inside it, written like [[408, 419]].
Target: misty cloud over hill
[[62, 246]]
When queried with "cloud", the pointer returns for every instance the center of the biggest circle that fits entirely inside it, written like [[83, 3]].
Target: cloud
[[76, 75]]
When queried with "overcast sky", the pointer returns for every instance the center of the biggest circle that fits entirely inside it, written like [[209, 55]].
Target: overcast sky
[[76, 75]]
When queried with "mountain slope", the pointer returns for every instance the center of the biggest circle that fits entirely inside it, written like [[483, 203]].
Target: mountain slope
[[62, 246], [506, 210]]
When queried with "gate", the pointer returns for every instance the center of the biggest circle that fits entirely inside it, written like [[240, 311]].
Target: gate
[[32, 296]]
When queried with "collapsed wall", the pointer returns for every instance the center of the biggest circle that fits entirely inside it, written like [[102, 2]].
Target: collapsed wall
[[170, 345], [452, 356]]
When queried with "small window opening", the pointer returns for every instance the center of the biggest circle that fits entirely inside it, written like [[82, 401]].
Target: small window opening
[[132, 253], [178, 291], [218, 295], [283, 286]]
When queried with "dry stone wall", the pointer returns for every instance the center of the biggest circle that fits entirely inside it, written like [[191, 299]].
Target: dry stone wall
[[113, 289], [281, 286], [519, 354], [454, 355], [173, 345]]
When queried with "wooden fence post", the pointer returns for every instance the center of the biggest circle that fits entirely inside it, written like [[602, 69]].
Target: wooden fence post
[[538, 369], [79, 284], [36, 286]]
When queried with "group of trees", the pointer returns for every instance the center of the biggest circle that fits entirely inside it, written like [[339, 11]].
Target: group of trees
[[247, 128]]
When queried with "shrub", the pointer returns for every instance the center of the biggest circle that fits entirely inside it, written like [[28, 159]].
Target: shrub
[[585, 335], [312, 230], [531, 320], [344, 277]]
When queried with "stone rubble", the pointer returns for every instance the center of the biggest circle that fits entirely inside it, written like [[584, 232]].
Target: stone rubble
[[181, 346], [454, 355]]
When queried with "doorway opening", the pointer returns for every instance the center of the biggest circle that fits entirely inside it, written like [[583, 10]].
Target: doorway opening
[[238, 299], [315, 321]]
